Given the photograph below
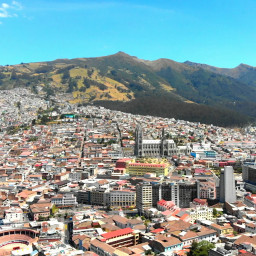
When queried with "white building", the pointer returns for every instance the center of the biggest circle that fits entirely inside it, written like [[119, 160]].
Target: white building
[[15, 214], [62, 200], [201, 213]]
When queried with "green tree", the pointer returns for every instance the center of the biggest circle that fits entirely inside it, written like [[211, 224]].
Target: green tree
[[18, 104], [65, 76], [148, 252], [72, 85], [44, 119], [200, 249], [54, 209]]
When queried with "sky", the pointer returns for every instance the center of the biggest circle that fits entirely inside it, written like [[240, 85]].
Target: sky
[[221, 33]]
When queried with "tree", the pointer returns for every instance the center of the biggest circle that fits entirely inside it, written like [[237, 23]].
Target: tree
[[148, 252], [44, 119], [49, 91], [72, 85], [65, 76], [200, 249], [54, 209], [18, 105]]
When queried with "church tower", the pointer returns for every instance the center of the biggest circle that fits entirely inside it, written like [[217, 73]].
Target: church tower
[[162, 143], [138, 141]]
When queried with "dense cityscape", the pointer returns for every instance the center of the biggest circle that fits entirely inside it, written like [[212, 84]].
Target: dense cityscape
[[85, 180]]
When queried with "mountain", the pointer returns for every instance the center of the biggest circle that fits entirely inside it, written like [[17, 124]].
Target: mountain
[[163, 87], [243, 73]]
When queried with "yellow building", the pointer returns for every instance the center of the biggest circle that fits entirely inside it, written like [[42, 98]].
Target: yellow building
[[224, 230], [158, 167]]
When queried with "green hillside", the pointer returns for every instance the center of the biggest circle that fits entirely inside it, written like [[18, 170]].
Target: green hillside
[[243, 73]]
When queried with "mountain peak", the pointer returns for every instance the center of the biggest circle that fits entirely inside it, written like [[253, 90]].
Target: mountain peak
[[188, 62], [242, 65], [120, 53]]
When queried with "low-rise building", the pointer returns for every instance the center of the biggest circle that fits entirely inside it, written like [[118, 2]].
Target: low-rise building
[[201, 213], [165, 244], [15, 215], [222, 230], [41, 210], [140, 168], [120, 238], [250, 201], [250, 228], [64, 200]]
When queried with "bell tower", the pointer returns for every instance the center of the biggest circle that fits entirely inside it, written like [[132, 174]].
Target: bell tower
[[138, 141]]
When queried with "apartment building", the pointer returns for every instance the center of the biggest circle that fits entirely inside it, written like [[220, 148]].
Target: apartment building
[[180, 193], [143, 196], [201, 213]]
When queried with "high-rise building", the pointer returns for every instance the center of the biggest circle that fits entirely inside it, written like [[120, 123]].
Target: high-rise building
[[249, 173], [143, 196], [188, 191], [227, 185], [170, 192], [181, 193]]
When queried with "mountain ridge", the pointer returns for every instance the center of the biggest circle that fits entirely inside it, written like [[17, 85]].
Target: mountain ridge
[[123, 78]]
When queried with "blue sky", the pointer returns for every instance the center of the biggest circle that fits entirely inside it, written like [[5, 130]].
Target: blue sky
[[216, 32]]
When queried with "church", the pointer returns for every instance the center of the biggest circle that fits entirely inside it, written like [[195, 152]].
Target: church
[[157, 148]]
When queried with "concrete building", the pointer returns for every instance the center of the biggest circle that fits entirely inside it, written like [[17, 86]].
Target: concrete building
[[227, 185], [121, 198], [168, 191], [98, 196], [181, 193], [143, 196], [83, 197], [249, 176], [188, 191], [249, 173]]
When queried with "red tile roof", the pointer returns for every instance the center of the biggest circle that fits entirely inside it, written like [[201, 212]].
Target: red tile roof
[[116, 233]]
